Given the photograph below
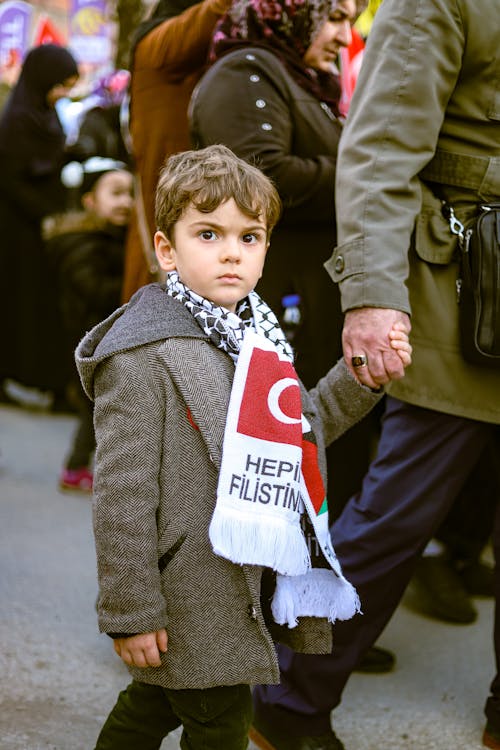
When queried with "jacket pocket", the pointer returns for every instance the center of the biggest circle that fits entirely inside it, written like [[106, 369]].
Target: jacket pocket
[[433, 239], [169, 555]]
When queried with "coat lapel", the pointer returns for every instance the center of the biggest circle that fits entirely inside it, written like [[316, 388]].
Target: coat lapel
[[204, 377]]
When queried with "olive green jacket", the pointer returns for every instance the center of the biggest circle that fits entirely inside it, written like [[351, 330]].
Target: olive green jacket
[[426, 112]]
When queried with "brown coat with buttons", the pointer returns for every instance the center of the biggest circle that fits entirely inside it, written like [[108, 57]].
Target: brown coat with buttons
[[161, 391]]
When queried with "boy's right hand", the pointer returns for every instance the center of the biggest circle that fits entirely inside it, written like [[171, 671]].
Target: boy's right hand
[[142, 650]]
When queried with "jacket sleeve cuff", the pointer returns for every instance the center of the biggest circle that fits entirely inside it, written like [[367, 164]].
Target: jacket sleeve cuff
[[377, 287]]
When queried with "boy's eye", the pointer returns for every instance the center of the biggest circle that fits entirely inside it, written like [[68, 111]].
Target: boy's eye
[[250, 238], [207, 234]]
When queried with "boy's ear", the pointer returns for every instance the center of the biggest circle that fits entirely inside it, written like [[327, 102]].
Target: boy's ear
[[164, 252]]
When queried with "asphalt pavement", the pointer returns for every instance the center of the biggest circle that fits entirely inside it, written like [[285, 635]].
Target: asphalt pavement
[[59, 677]]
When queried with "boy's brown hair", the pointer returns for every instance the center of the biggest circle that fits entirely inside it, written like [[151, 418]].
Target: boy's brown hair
[[207, 177]]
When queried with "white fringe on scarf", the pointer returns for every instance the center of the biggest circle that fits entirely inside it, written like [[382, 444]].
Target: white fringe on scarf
[[317, 593], [275, 545]]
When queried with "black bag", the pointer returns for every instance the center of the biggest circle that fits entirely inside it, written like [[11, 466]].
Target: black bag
[[478, 285]]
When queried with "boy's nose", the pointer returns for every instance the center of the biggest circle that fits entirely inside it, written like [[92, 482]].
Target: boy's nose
[[231, 250]]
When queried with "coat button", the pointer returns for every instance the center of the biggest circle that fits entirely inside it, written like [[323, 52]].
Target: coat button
[[339, 264], [254, 78], [266, 126], [252, 612], [260, 103]]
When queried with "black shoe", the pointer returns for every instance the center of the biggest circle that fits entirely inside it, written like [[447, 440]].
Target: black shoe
[[266, 738], [477, 578], [376, 661], [438, 591]]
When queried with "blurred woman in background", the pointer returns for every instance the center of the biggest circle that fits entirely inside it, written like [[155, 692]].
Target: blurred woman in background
[[32, 152]]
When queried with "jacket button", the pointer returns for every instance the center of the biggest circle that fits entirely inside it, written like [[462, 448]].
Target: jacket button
[[252, 612], [339, 264]]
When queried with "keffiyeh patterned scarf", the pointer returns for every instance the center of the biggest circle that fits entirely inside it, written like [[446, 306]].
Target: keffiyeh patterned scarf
[[271, 507], [226, 329]]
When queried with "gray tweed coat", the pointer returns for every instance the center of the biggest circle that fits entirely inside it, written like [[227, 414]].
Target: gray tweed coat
[[161, 392]]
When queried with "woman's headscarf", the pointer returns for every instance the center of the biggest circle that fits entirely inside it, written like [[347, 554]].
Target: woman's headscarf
[[45, 67], [286, 28], [27, 108]]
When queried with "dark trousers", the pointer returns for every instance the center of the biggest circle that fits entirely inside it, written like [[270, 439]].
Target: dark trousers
[[468, 526], [423, 460], [212, 719], [83, 441]]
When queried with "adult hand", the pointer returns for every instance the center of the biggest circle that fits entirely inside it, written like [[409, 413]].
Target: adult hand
[[142, 650], [366, 333]]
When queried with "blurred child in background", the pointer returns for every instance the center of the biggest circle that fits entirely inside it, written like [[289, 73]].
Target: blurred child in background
[[87, 248]]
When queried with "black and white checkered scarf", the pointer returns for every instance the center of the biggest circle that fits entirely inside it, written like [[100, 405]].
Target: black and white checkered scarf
[[225, 329]]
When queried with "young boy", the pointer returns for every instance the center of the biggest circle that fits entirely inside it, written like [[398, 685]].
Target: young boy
[[87, 248], [210, 524]]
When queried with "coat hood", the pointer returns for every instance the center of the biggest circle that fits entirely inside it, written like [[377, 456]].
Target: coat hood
[[150, 315]]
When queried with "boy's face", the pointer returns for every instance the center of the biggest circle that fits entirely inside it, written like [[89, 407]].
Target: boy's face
[[219, 255], [112, 198]]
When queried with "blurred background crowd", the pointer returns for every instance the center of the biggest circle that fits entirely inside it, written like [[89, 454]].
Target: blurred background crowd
[[93, 99]]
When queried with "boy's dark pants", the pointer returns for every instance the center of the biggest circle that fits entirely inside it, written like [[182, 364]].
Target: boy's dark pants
[[212, 719]]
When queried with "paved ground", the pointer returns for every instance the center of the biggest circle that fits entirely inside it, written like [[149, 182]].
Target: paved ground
[[59, 677]]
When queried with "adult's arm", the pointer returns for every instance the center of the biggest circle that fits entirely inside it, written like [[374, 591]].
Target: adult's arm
[[26, 176], [180, 44], [410, 67], [27, 192]]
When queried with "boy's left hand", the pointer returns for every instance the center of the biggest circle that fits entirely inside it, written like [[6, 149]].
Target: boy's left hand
[[399, 341], [142, 650]]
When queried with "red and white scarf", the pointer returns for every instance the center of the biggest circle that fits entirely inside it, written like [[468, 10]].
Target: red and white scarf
[[271, 505]]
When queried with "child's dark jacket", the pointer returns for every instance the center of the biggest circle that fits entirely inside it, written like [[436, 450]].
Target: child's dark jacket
[[87, 258], [161, 392]]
